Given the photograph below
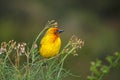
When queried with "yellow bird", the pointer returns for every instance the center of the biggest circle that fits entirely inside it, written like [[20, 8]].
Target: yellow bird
[[51, 42]]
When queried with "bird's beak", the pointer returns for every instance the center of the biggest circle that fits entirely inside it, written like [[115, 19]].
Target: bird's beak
[[60, 31]]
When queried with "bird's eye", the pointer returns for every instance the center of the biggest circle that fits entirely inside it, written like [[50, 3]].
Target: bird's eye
[[57, 31]]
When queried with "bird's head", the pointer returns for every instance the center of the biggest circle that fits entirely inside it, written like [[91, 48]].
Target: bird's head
[[54, 30]]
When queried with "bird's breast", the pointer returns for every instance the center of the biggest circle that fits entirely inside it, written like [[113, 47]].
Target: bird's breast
[[50, 46]]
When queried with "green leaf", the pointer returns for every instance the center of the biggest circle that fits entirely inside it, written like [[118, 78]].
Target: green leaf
[[105, 69], [110, 59]]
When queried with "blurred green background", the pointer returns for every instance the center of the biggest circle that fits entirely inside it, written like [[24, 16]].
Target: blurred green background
[[97, 22]]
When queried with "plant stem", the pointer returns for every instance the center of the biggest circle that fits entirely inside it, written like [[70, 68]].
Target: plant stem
[[63, 60]]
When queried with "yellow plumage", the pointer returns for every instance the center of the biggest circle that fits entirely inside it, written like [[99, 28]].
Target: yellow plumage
[[50, 43]]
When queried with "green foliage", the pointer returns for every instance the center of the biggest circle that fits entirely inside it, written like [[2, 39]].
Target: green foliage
[[99, 70], [20, 62]]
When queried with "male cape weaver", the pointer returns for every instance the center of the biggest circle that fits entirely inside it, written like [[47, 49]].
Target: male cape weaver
[[51, 42]]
